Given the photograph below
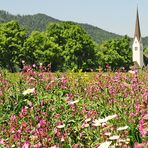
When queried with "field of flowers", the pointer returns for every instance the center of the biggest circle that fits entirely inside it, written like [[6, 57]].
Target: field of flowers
[[73, 110]]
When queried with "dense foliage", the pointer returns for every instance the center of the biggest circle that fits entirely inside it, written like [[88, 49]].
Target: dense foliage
[[12, 38], [39, 48], [146, 51], [116, 53], [72, 110], [77, 47], [64, 45]]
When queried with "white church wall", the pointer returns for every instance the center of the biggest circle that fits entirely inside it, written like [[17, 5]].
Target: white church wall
[[137, 51]]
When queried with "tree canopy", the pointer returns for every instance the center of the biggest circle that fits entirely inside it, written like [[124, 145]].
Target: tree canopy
[[77, 47], [40, 48], [12, 38], [115, 53], [63, 45]]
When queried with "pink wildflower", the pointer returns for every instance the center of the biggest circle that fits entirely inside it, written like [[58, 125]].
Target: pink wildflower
[[2, 141], [13, 118], [75, 146], [26, 144], [39, 145], [145, 96], [42, 123], [138, 145], [141, 128], [57, 116], [23, 112], [62, 139]]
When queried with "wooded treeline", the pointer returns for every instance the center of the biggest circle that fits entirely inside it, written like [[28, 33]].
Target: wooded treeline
[[64, 45]]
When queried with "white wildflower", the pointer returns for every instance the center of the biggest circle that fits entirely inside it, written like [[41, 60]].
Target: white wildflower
[[122, 128], [13, 145], [107, 133], [88, 119], [73, 102], [60, 126], [28, 91], [122, 140], [131, 71], [86, 125], [33, 65], [115, 137], [103, 120], [99, 121], [23, 61], [105, 144], [111, 117], [96, 123], [127, 139]]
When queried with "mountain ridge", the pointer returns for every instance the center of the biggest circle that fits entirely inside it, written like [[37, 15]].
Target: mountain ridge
[[39, 22]]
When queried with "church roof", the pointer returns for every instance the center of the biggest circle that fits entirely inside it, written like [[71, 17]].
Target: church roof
[[137, 27]]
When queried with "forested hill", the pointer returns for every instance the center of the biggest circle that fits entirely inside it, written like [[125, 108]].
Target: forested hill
[[40, 21], [145, 41], [31, 22], [98, 34]]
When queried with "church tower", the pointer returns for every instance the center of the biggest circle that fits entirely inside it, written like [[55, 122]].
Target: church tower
[[137, 48]]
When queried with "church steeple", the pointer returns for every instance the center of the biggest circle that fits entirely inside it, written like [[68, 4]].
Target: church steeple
[[137, 27], [137, 49]]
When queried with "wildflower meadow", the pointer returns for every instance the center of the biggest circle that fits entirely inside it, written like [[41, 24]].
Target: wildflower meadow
[[40, 109]]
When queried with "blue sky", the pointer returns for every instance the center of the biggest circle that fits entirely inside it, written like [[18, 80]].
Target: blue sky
[[117, 16]]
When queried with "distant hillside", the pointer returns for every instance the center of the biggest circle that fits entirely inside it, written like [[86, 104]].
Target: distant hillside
[[40, 21], [98, 34], [145, 41], [31, 22]]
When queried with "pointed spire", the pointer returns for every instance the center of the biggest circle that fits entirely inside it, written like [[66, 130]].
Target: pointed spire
[[137, 27]]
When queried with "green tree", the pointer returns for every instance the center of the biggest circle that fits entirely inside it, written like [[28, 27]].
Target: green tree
[[77, 47], [116, 53], [146, 50], [12, 37], [40, 48]]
